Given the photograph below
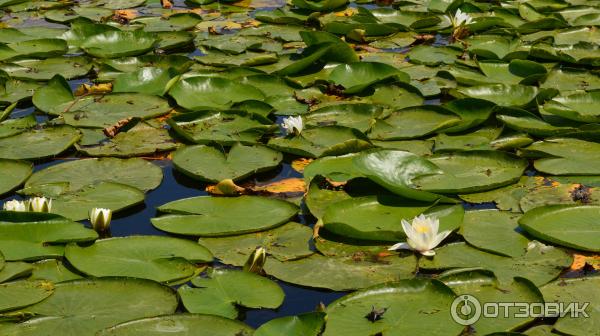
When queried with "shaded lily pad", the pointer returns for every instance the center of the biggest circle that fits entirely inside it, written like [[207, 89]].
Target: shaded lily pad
[[32, 236], [162, 259], [14, 173], [84, 307], [212, 165], [287, 242], [223, 289], [180, 325], [406, 307], [216, 216]]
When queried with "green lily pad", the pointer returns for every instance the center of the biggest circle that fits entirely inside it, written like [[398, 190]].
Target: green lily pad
[[565, 156], [355, 77], [308, 324], [341, 272], [517, 95], [494, 231], [410, 307], [114, 44], [287, 242], [45, 47], [472, 171], [319, 6], [196, 93], [485, 288], [33, 236], [213, 165], [568, 291], [20, 294], [216, 216], [52, 270], [433, 56], [84, 307], [540, 264], [223, 289], [148, 80], [566, 225], [225, 128], [14, 270], [560, 192], [77, 174], [34, 69], [180, 325], [162, 259], [322, 141], [413, 122], [577, 106], [140, 140], [12, 127], [525, 121], [38, 143], [14, 173], [359, 116], [570, 79]]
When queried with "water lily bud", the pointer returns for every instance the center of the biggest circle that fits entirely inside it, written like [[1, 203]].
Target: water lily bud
[[100, 219], [15, 205], [256, 260], [40, 204]]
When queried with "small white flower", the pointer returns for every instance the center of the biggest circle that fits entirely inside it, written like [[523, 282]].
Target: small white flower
[[422, 236], [100, 219], [40, 204], [15, 205], [293, 125], [461, 18]]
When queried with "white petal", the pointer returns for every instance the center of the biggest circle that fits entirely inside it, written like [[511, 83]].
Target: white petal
[[428, 253], [400, 246], [408, 230], [439, 238]]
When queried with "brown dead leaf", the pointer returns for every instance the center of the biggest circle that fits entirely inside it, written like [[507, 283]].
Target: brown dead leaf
[[580, 260], [113, 130], [347, 12], [166, 4], [225, 188], [87, 89], [123, 16], [299, 164], [289, 185]]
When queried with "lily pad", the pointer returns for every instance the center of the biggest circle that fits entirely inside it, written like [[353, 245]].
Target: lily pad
[[34, 69], [577, 106], [322, 141], [84, 307], [409, 307], [213, 165], [14, 173], [215, 216], [287, 242], [566, 225], [413, 122], [565, 156], [517, 95], [180, 325], [33, 236], [162, 259], [359, 116], [494, 231], [38, 143], [113, 44], [52, 270], [14, 270], [308, 324], [20, 294], [472, 171], [196, 93], [223, 289], [356, 77]]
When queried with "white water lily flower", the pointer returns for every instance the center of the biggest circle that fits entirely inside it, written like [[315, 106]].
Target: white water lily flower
[[15, 205], [422, 235], [293, 125], [461, 18], [40, 204], [100, 219]]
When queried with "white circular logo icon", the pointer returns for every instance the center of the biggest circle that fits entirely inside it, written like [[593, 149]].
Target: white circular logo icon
[[466, 310]]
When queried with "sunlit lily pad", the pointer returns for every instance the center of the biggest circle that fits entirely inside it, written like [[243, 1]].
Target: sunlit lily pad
[[413, 122], [38, 143], [215, 216], [501, 94], [23, 293], [578, 106], [34, 69], [359, 116], [409, 307], [223, 289], [494, 231], [113, 44], [84, 307], [14, 270], [52, 270], [213, 165], [196, 93], [308, 324], [566, 225], [565, 156], [356, 77]]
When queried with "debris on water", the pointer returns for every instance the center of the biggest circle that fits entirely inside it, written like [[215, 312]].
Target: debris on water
[[375, 314], [581, 194]]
